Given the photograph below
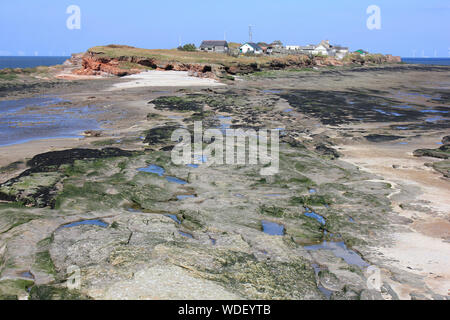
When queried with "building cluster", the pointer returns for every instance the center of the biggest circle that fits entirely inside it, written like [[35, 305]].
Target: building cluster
[[324, 48]]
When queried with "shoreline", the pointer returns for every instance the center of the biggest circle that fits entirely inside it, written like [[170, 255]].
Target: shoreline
[[399, 245]]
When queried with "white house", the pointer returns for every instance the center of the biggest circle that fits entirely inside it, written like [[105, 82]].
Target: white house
[[251, 47], [307, 49], [320, 50], [292, 48], [323, 48]]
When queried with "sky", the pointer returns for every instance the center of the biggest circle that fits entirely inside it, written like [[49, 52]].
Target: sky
[[408, 27]]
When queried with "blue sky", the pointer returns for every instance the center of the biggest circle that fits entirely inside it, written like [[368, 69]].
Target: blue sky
[[30, 27]]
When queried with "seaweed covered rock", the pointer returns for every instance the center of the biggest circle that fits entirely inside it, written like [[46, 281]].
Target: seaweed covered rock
[[327, 151], [440, 153], [57, 158], [188, 103], [160, 135], [382, 138], [38, 185], [48, 292]]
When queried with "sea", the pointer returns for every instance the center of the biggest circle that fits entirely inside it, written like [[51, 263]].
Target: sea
[[30, 62], [429, 61]]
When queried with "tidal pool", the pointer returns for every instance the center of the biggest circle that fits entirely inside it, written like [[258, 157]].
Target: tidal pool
[[325, 291], [272, 91], [27, 274], [184, 197], [225, 123], [272, 228], [318, 217], [186, 235], [176, 180], [154, 169], [340, 250], [174, 218], [99, 223]]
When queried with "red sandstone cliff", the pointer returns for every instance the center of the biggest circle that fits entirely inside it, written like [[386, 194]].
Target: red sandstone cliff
[[96, 63]]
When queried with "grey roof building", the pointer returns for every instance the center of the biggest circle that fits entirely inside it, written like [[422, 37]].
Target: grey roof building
[[214, 46]]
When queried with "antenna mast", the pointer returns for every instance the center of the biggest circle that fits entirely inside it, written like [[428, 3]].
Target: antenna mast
[[250, 34]]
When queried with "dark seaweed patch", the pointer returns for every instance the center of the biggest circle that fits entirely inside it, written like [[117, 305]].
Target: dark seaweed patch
[[336, 107]]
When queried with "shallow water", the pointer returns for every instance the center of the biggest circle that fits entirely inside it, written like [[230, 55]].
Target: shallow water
[[225, 123], [272, 228], [326, 292], [403, 107], [186, 235], [184, 197], [31, 119], [176, 180], [388, 113], [271, 91], [435, 119], [434, 111], [154, 169], [174, 218], [27, 274], [340, 250], [99, 223], [316, 216]]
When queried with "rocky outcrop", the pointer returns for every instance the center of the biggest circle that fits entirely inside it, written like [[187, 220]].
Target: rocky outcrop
[[393, 59], [99, 63]]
